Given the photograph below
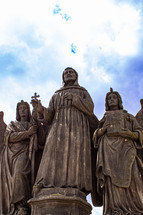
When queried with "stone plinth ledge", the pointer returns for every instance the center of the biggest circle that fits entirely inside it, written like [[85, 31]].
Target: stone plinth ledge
[[59, 201]]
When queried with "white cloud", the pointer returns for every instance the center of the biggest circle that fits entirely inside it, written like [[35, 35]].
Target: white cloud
[[89, 21], [101, 75], [96, 28], [86, 28], [13, 91]]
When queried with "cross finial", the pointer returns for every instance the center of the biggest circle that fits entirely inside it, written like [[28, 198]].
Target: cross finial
[[35, 96]]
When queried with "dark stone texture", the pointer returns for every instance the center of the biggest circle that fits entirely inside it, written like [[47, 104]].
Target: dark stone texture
[[59, 201], [64, 177], [2, 130], [139, 115], [66, 159], [15, 165], [119, 169]]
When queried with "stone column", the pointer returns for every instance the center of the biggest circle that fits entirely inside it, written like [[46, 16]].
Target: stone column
[[59, 201]]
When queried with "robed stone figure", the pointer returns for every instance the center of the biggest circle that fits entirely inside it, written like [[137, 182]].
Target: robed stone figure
[[2, 131], [66, 160], [119, 170], [139, 118], [139, 115], [15, 164]]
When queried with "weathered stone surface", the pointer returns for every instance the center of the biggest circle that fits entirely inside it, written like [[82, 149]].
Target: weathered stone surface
[[59, 201], [139, 115], [119, 170], [66, 159], [15, 168], [2, 130]]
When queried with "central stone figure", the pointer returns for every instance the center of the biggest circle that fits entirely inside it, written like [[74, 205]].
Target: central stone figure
[[66, 160]]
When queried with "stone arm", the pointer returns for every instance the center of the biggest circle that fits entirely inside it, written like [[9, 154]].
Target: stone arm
[[100, 131], [20, 135], [139, 132], [126, 133], [133, 132], [48, 115], [84, 104], [45, 115]]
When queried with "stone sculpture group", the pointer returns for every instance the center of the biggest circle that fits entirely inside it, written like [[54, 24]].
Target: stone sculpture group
[[52, 159]]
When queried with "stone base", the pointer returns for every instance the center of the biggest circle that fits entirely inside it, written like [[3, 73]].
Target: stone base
[[59, 201]]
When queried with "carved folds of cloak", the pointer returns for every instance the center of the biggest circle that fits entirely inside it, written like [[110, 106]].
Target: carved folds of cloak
[[66, 160], [15, 168], [119, 170]]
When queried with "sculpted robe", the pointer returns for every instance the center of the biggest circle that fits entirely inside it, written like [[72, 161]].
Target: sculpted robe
[[2, 131], [15, 168], [119, 170], [139, 117], [66, 160]]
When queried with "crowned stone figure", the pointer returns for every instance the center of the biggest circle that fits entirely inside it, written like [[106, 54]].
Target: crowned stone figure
[[119, 170]]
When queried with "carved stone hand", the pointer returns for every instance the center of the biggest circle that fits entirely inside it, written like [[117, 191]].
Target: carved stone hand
[[129, 134]]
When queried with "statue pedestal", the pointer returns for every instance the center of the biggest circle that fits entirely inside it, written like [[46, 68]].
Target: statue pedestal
[[59, 201]]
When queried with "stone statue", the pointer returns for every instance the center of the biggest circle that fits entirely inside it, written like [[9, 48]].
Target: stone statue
[[139, 118], [2, 130], [139, 115], [119, 170], [65, 169], [41, 137], [15, 166], [66, 160]]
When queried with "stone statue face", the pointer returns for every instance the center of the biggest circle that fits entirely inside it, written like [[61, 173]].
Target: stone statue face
[[69, 76], [23, 111], [113, 101]]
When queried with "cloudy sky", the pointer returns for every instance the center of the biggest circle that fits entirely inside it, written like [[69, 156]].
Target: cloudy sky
[[102, 40]]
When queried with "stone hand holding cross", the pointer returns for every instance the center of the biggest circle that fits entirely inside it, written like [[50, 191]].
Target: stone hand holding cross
[[34, 100]]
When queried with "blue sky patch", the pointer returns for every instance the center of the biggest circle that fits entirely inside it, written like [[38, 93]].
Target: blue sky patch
[[30, 37], [66, 17], [134, 66], [58, 10], [11, 65], [73, 48]]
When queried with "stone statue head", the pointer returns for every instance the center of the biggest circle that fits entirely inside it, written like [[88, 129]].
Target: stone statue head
[[18, 118], [141, 102], [120, 103], [1, 115], [70, 75]]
